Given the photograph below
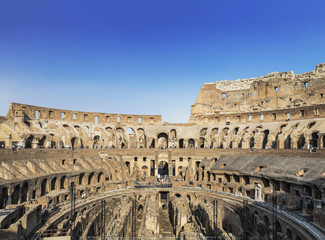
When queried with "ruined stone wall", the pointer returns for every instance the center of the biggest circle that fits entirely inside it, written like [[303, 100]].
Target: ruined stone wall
[[43, 113], [276, 92]]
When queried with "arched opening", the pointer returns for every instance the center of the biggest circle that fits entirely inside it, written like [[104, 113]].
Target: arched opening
[[52, 141], [15, 195], [266, 134], [140, 208], [142, 138], [181, 143], [203, 132], [29, 140], [81, 179], [3, 197], [278, 227], [180, 171], [275, 142], [130, 131], [173, 135], [91, 178], [100, 177], [74, 142], [251, 142], [24, 192], [201, 142], [288, 234], [144, 170], [63, 182], [240, 145], [96, 141], [191, 143], [287, 142], [132, 138], [163, 168], [44, 187], [323, 140], [152, 143], [162, 140], [53, 184], [41, 142], [314, 140], [301, 142]]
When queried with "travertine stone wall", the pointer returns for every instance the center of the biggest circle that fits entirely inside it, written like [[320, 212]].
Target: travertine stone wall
[[273, 93]]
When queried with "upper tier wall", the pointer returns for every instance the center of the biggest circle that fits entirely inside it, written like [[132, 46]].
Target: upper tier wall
[[42, 113], [271, 92]]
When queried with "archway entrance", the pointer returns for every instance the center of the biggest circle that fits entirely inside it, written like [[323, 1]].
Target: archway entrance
[[163, 169], [314, 140], [163, 140], [301, 142], [191, 143]]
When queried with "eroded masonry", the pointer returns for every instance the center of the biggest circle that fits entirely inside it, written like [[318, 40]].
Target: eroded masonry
[[249, 164]]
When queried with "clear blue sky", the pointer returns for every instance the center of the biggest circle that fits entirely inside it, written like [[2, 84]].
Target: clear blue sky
[[148, 57]]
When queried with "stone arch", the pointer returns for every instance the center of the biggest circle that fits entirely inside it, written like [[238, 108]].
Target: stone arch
[[100, 177], [63, 182], [301, 142], [162, 140], [28, 142], [120, 138], [24, 192], [96, 141], [181, 143], [91, 178], [314, 140], [132, 138], [213, 137], [52, 141], [3, 197], [173, 134], [265, 138], [180, 171], [152, 143], [203, 132], [252, 142], [287, 142], [288, 234], [15, 195], [110, 137], [76, 142], [163, 168], [144, 170], [82, 179], [142, 138], [191, 143], [41, 142], [53, 184], [44, 187]]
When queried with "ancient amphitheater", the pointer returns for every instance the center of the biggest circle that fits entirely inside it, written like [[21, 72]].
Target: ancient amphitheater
[[249, 164]]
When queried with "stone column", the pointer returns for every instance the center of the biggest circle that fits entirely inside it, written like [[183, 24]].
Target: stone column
[[156, 163]]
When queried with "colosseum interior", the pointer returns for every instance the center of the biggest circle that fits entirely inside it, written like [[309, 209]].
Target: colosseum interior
[[249, 164]]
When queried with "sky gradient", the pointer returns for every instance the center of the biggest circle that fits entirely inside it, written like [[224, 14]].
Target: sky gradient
[[148, 57]]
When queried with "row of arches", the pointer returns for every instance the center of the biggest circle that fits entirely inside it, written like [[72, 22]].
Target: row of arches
[[33, 189]]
